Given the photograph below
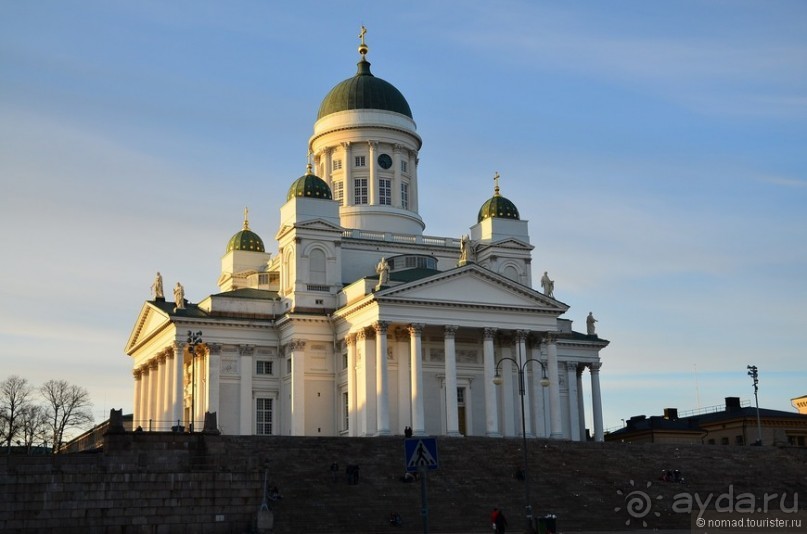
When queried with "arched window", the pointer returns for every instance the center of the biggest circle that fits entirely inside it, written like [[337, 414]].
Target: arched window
[[511, 273], [316, 267]]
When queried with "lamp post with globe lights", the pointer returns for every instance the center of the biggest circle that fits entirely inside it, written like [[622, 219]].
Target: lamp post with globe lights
[[497, 380], [753, 372]]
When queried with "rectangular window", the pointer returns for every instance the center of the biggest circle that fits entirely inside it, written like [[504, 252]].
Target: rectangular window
[[360, 161], [385, 192], [346, 412], [460, 395], [405, 195], [263, 417], [360, 191], [339, 191], [344, 360], [404, 165], [288, 366], [336, 164], [263, 367]]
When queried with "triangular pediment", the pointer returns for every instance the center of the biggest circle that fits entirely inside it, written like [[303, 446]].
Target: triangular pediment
[[472, 285], [510, 242], [313, 224], [319, 224], [150, 321]]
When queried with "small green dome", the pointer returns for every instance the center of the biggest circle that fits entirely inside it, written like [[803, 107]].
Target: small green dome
[[497, 206], [246, 239], [309, 185], [364, 91]]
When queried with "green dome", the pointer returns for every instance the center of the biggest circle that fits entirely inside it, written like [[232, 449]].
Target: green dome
[[246, 239], [497, 206], [309, 185], [364, 91]]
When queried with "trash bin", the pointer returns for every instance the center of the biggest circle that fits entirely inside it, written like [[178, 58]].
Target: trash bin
[[548, 524]]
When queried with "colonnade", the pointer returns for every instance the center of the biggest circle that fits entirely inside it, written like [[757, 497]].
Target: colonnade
[[369, 390], [163, 383]]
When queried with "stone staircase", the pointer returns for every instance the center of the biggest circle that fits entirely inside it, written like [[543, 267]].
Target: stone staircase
[[166, 483], [587, 485]]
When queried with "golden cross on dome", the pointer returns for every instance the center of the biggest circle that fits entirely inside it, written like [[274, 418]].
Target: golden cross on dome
[[496, 182], [246, 218], [363, 48]]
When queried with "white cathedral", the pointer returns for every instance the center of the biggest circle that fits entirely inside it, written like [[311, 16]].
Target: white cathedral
[[360, 325]]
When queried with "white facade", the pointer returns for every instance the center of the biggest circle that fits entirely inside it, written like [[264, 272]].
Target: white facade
[[316, 341]]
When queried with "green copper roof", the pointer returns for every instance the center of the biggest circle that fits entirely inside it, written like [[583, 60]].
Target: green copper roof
[[246, 239], [497, 206], [309, 185], [364, 91]]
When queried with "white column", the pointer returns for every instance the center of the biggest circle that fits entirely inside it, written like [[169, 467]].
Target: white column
[[596, 401], [245, 392], [537, 394], [414, 201], [158, 366], [352, 420], [382, 377], [491, 407], [328, 171], [581, 406], [147, 395], [418, 413], [347, 165], [137, 374], [297, 348], [404, 376], [198, 393], [165, 392], [556, 425], [452, 417], [574, 413], [212, 373], [361, 383], [372, 181], [177, 383], [367, 341], [396, 176], [521, 350], [509, 393]]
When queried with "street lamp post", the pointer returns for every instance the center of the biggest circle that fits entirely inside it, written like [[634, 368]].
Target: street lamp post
[[194, 340], [497, 379], [753, 372]]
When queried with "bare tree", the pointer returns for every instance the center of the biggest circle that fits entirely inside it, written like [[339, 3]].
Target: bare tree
[[67, 406], [15, 398], [34, 426]]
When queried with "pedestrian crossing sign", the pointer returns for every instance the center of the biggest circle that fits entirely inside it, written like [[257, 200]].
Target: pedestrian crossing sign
[[420, 453]]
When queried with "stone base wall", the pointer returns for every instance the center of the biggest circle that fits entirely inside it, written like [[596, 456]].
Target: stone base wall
[[149, 482]]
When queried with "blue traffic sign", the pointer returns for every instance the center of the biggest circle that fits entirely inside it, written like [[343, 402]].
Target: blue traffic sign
[[420, 453]]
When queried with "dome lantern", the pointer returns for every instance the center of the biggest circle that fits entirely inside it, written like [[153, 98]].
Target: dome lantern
[[246, 239], [309, 185], [497, 205], [364, 91]]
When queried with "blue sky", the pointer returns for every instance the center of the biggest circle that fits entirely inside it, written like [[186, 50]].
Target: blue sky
[[657, 149]]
